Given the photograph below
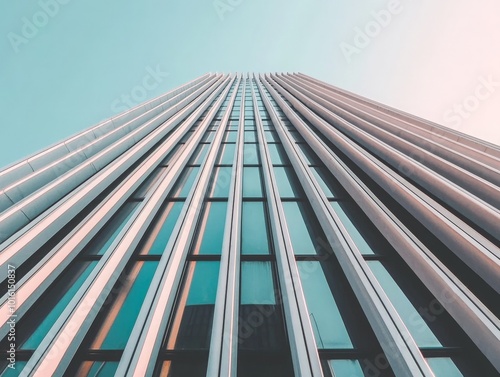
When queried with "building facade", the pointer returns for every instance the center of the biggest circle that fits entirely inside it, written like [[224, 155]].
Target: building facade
[[253, 225]]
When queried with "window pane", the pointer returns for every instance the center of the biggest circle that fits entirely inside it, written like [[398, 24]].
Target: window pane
[[200, 153], [271, 136], [230, 136], [328, 325], [257, 285], [116, 327], [322, 177], [416, 325], [278, 155], [227, 154], [192, 324], [283, 179], [55, 300], [221, 182], [159, 235], [250, 136], [299, 233], [211, 229], [251, 154], [252, 187], [353, 231], [185, 182], [185, 367], [348, 368], [254, 239], [443, 367]]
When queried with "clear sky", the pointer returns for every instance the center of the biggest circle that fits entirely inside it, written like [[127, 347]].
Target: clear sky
[[67, 64]]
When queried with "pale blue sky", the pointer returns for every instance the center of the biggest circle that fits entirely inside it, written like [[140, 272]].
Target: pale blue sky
[[75, 66]]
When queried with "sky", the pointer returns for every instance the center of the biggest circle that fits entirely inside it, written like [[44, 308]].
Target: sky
[[65, 65]]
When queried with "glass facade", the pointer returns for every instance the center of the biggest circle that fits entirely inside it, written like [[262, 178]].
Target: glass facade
[[250, 232]]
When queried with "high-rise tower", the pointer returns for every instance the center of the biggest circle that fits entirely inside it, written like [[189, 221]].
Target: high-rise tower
[[253, 225]]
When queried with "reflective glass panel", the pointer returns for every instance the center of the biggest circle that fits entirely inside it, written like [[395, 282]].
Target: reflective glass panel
[[283, 177], [277, 153], [328, 325], [221, 182], [444, 367], [211, 229], [297, 228], [128, 297], [251, 154], [412, 319], [227, 154], [185, 182], [191, 325], [254, 239], [252, 186]]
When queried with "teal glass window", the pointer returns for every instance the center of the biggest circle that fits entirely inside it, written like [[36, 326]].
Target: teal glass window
[[254, 237], [284, 177], [327, 323], [252, 186], [444, 367], [271, 136], [300, 235], [200, 153], [227, 154], [159, 235], [352, 229], [412, 319], [251, 154], [54, 302], [185, 182], [250, 137], [321, 176], [278, 155], [208, 137], [115, 328], [230, 136], [211, 229], [348, 368], [221, 182], [191, 325]]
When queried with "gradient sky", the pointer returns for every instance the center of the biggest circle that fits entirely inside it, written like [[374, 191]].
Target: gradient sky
[[437, 59]]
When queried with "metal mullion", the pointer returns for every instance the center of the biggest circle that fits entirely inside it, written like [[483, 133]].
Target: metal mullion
[[389, 145], [469, 245], [305, 357], [453, 136], [478, 322], [26, 242], [48, 268], [409, 133], [405, 358], [142, 349], [222, 359], [78, 316]]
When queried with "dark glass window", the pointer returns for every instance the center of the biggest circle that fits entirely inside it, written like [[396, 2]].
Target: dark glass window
[[98, 368], [444, 367], [191, 325]]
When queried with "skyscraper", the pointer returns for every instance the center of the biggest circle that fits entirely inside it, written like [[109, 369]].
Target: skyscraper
[[253, 225]]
